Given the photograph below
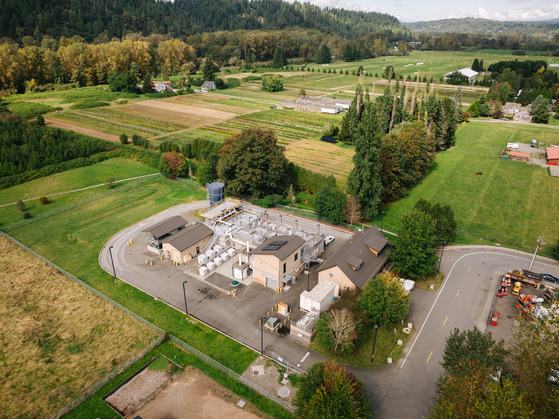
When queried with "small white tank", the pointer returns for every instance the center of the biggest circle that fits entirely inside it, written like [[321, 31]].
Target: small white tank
[[202, 259], [203, 270], [218, 261], [231, 252], [225, 256], [211, 266]]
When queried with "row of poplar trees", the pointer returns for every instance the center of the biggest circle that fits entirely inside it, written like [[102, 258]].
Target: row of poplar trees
[[395, 141]]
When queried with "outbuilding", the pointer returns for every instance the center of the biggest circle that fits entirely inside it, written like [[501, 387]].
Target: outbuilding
[[553, 155], [188, 243], [160, 231], [361, 258], [320, 297]]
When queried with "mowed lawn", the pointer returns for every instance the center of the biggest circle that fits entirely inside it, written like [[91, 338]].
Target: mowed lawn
[[81, 177], [511, 203], [57, 338], [74, 238]]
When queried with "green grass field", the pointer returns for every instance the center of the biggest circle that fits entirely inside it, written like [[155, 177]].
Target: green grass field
[[73, 240], [512, 203], [66, 181]]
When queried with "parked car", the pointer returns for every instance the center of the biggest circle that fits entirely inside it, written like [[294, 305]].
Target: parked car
[[534, 143], [328, 240]]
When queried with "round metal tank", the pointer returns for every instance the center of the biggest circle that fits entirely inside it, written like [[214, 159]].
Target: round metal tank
[[216, 191]]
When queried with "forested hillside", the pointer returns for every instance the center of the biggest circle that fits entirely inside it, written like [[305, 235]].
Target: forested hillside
[[541, 30], [109, 18]]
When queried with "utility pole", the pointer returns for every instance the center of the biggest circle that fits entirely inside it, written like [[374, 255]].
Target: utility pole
[[540, 242]]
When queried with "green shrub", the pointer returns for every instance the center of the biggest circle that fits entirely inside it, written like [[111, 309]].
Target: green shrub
[[26, 215], [44, 200], [20, 206], [29, 110], [123, 138]]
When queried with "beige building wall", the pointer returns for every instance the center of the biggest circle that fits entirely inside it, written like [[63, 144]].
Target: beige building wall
[[269, 266], [337, 275], [187, 254]]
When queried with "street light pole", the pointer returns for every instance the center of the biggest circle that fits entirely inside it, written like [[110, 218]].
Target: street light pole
[[184, 292], [113, 263], [374, 343], [441, 258], [262, 319], [540, 242]]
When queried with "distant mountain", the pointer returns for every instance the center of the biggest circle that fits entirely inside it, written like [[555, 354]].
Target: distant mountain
[[90, 18], [543, 29]]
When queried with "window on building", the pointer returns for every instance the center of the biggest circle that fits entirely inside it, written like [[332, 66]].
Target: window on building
[[296, 256], [284, 267]]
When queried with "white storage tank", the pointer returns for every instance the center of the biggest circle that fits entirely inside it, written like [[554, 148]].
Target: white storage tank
[[203, 270], [202, 259], [218, 248], [218, 261], [225, 256], [213, 253], [231, 252], [211, 266]]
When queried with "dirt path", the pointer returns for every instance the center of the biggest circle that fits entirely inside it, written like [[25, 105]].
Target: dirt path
[[193, 394], [87, 131]]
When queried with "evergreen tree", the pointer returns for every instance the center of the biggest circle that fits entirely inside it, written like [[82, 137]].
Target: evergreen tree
[[364, 180], [208, 69], [458, 103], [476, 66]]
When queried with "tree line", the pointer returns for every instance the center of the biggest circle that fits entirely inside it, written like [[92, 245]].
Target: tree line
[[25, 147], [115, 18]]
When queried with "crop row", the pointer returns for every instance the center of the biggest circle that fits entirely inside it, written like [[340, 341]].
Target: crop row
[[157, 124]]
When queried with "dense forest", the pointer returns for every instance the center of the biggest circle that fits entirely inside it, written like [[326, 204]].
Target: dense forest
[[542, 30], [105, 19]]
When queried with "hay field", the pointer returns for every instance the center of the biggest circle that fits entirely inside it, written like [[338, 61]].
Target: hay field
[[57, 339], [176, 112], [322, 157]]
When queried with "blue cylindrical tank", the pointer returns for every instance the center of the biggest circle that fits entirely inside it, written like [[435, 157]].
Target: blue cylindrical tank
[[217, 192]]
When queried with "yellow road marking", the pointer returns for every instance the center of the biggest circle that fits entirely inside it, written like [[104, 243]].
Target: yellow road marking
[[429, 357], [458, 292], [446, 318], [469, 268]]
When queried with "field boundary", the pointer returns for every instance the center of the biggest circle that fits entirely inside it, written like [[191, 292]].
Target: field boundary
[[75, 204], [202, 356]]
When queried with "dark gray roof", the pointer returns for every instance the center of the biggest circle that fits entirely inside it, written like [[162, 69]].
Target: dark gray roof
[[356, 259], [166, 226], [189, 236], [279, 246]]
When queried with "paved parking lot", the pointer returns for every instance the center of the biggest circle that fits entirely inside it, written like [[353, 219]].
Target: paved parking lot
[[237, 317]]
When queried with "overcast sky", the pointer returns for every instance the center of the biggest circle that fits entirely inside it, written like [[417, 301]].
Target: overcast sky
[[419, 10]]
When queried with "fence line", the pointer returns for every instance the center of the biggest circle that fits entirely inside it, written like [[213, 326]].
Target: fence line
[[172, 338], [87, 394], [74, 204]]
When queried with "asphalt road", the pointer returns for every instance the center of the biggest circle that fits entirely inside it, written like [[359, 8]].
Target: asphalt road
[[404, 389]]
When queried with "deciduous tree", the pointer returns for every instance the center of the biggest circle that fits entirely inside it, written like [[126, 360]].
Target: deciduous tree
[[328, 390], [252, 161], [414, 254], [385, 300]]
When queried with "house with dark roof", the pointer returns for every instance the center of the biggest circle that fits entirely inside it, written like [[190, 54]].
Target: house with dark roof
[[187, 243], [277, 261], [361, 258], [158, 232]]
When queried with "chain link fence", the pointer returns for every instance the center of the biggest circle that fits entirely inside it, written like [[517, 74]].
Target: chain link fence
[[76, 204], [311, 214]]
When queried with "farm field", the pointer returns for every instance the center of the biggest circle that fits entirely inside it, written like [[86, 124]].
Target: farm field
[[435, 63], [57, 338], [66, 181], [321, 157], [288, 124], [73, 240], [511, 204]]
